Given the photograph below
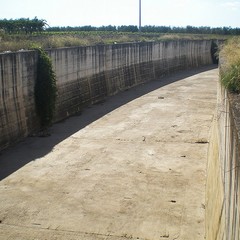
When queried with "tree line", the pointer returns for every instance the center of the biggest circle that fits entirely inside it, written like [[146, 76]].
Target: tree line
[[29, 26], [22, 25], [151, 29]]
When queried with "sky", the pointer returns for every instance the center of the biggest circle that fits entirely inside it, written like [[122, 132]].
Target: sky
[[179, 13]]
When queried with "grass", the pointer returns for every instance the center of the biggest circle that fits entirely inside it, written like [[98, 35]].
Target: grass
[[47, 40], [230, 65]]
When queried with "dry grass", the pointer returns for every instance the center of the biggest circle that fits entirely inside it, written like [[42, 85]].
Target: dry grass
[[230, 65], [231, 52], [55, 40], [44, 42]]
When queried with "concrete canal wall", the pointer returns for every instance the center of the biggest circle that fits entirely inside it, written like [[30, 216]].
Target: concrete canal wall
[[87, 75], [223, 172]]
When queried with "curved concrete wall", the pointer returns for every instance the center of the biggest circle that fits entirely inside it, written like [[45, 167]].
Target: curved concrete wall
[[89, 74], [86, 75]]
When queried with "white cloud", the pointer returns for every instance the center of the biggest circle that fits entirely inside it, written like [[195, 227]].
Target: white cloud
[[233, 5], [182, 3]]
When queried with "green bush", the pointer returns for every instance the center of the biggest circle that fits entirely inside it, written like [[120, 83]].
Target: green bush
[[45, 89]]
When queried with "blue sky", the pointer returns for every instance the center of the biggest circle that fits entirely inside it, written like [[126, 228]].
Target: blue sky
[[214, 13]]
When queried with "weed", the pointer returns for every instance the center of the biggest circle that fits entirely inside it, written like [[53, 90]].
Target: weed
[[230, 65]]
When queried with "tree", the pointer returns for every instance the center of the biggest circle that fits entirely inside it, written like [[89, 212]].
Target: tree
[[23, 25]]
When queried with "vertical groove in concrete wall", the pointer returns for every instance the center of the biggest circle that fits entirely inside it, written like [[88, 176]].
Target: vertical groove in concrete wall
[[17, 112], [86, 75]]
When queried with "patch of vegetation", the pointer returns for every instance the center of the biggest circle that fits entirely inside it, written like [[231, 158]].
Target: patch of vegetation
[[152, 29], [45, 89], [46, 40], [230, 65], [24, 33]]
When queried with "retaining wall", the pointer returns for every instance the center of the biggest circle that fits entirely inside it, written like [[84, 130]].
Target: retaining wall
[[223, 173], [86, 75], [17, 107]]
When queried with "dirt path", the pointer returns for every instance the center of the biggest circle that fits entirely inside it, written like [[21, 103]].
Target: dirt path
[[133, 167]]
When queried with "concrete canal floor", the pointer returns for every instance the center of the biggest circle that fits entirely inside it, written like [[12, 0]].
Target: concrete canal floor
[[133, 167]]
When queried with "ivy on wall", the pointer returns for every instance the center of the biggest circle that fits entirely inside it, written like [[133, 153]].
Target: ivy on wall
[[45, 89]]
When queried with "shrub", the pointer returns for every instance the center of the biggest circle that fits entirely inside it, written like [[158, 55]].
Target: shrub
[[45, 89]]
